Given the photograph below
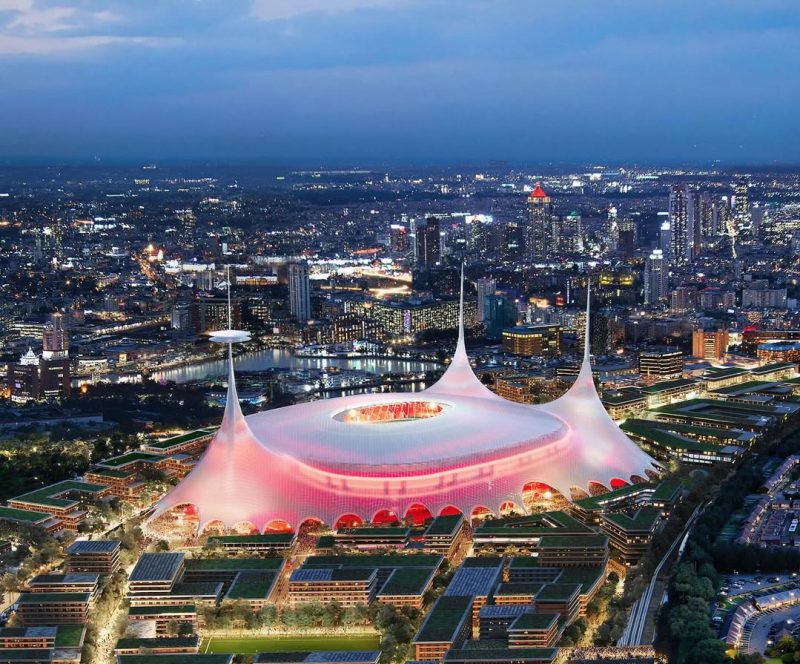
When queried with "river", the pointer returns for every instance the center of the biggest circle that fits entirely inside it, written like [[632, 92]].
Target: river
[[285, 359]]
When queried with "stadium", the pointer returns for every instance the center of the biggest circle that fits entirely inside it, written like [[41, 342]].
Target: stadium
[[455, 446]]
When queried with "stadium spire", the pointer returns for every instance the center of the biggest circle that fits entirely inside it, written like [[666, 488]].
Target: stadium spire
[[459, 378]]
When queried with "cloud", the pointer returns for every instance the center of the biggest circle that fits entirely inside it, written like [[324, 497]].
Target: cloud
[[30, 28], [16, 45], [275, 10]]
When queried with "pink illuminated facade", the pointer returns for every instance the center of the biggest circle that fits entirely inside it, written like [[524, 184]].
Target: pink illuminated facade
[[455, 446]]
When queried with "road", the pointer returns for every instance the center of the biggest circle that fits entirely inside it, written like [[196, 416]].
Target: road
[[758, 639], [634, 630]]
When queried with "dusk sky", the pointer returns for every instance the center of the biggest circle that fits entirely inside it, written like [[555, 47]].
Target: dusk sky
[[401, 81]]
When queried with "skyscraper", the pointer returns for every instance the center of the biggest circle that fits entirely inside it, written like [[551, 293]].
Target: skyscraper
[[486, 287], [627, 237], [665, 241], [539, 232], [429, 243], [679, 225], [693, 225], [398, 238], [707, 218], [741, 205], [655, 278], [54, 370], [299, 293]]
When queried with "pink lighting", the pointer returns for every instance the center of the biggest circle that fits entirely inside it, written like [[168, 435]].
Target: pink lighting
[[456, 447]]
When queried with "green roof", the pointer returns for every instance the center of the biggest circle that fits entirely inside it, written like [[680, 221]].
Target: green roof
[[518, 589], [50, 598], [546, 523], [127, 643], [642, 520], [444, 525], [750, 385], [181, 439], [252, 585], [666, 490], [444, 619], [716, 373], [14, 514], [600, 501], [69, 636], [666, 385], [234, 564], [585, 576], [44, 496], [108, 472], [269, 538], [775, 366], [656, 434], [560, 541], [158, 610], [557, 592], [380, 531], [381, 560], [532, 620], [130, 457], [407, 581], [525, 561]]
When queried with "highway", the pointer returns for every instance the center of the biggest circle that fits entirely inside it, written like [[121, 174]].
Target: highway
[[634, 630]]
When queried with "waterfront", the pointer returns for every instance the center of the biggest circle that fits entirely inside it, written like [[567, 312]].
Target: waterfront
[[280, 358]]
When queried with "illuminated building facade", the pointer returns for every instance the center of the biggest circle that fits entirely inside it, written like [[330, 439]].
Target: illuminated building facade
[[455, 447], [539, 231]]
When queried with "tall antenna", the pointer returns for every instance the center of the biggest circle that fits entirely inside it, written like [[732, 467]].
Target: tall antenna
[[228, 280], [588, 309]]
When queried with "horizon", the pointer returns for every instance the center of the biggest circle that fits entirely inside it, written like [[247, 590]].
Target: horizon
[[400, 82]]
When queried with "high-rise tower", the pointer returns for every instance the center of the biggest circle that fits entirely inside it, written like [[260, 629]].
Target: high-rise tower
[[655, 278], [299, 292], [539, 232], [679, 225]]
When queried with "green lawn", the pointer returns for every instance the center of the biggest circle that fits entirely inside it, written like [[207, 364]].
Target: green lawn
[[247, 646]]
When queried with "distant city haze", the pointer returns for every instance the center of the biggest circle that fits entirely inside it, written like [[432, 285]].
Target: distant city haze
[[400, 81]]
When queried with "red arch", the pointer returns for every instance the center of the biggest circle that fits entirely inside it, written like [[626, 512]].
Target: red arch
[[348, 521], [578, 493], [450, 510], [418, 514], [508, 507], [481, 512], [244, 528], [597, 488], [384, 517], [310, 524], [618, 483], [278, 526]]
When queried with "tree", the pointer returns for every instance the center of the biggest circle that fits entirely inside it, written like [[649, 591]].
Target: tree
[[708, 651]]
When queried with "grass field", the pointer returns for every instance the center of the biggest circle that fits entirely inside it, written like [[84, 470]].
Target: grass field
[[247, 646]]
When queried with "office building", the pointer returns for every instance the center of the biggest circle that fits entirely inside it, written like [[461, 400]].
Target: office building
[[680, 248], [741, 206], [486, 287], [429, 243], [662, 364], [655, 278], [533, 341], [299, 292], [211, 313], [710, 344], [539, 231], [399, 239]]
